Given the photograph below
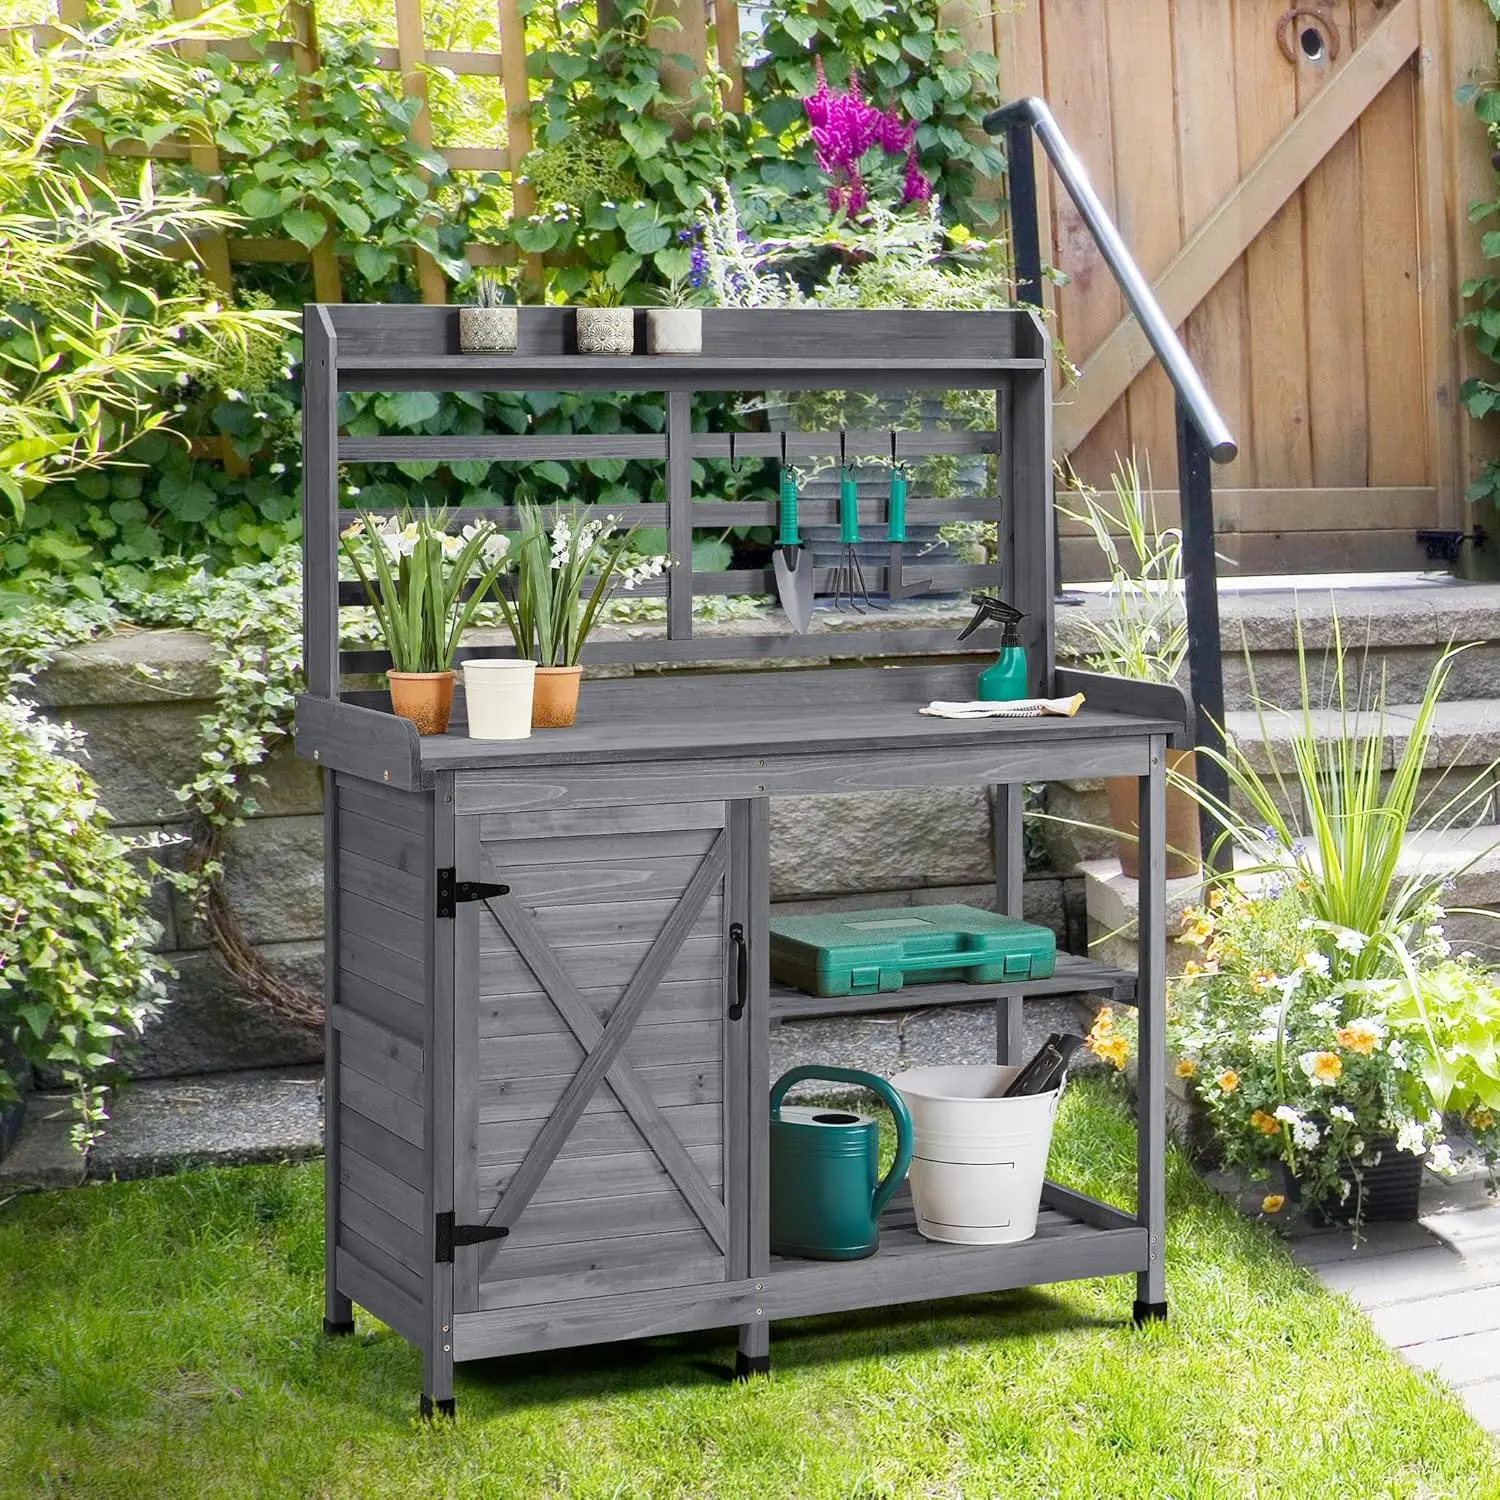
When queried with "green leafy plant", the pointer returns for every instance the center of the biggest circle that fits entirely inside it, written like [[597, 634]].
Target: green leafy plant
[[1142, 633], [415, 573], [77, 975], [599, 291], [554, 607], [490, 288], [1480, 394], [1452, 1018]]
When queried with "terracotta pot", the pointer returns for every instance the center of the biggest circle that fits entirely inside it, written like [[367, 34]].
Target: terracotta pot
[[426, 698], [555, 702], [1183, 854]]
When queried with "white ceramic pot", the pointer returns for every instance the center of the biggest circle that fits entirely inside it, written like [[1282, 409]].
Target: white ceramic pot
[[978, 1161], [487, 330], [674, 330], [498, 691], [606, 330]]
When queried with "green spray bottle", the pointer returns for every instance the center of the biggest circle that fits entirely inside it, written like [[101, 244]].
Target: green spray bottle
[[1006, 680]]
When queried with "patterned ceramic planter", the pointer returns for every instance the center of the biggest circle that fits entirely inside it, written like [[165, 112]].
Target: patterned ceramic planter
[[606, 330], [674, 330], [487, 330]]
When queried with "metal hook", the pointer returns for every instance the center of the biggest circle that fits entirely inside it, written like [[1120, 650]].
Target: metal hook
[[783, 450], [734, 466], [843, 449], [895, 462]]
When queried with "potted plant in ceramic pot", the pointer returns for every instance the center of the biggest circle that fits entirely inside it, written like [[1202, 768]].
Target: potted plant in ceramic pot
[[601, 324], [415, 574], [554, 606], [1142, 635], [676, 327], [490, 323]]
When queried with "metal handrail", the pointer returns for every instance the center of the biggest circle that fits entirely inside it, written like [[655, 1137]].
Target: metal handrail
[[1203, 437], [1033, 114]]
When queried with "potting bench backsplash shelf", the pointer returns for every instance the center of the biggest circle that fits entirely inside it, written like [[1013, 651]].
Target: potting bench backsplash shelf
[[547, 984]]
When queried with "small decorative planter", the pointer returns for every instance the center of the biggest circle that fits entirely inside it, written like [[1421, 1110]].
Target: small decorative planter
[[674, 330], [1184, 856], [498, 691], [556, 703], [1390, 1192], [488, 330], [426, 698], [605, 330]]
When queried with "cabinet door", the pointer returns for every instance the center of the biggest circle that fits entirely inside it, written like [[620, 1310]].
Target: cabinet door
[[592, 1050]]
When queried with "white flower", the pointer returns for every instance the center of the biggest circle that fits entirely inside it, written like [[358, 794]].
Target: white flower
[[1315, 963], [278, 468], [233, 395], [1411, 1137], [1397, 1052], [1307, 924], [1287, 1115], [1350, 941], [1304, 1133], [451, 545], [1266, 1038], [1441, 1158], [1342, 1112]]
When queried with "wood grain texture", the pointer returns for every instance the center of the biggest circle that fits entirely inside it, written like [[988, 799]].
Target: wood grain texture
[[679, 491], [377, 747], [320, 616], [503, 975], [395, 1013], [534, 1099], [392, 1304], [604, 1133], [532, 1014], [502, 1059]]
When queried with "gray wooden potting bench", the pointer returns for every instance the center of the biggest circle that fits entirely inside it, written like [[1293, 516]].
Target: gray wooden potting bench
[[547, 985]]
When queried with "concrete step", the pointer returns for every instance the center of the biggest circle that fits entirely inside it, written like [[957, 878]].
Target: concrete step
[[1113, 904]]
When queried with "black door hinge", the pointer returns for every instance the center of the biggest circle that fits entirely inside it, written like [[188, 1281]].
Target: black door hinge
[[450, 891], [451, 1236], [1445, 546]]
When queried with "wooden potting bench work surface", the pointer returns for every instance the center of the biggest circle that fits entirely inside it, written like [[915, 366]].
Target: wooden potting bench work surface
[[548, 982]]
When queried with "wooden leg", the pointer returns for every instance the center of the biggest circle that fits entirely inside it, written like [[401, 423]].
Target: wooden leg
[[437, 1381], [1010, 870], [754, 1354], [1010, 1040], [1151, 1284], [338, 1310]]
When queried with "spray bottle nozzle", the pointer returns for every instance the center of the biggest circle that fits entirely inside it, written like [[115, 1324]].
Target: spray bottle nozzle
[[991, 609]]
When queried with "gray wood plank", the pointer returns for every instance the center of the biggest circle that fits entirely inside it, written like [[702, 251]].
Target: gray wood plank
[[1119, 695], [598, 1320], [1028, 471], [438, 1104], [857, 768], [396, 889], [379, 1260], [403, 1117], [570, 825], [382, 1066], [320, 615], [369, 799], [1086, 1210], [360, 917], [583, 1256], [381, 1228], [502, 1059], [600, 1133], [382, 844], [614, 924], [390, 1303], [605, 1049], [336, 1309], [395, 1013], [915, 442], [610, 1278], [679, 495], [503, 974], [623, 880], [375, 746], [577, 1179], [402, 1200], [1151, 1047], [758, 1023], [594, 848], [393, 1153], [399, 972], [535, 1014], [735, 1040], [536, 1098], [376, 1038], [585, 1219], [500, 448], [469, 918]]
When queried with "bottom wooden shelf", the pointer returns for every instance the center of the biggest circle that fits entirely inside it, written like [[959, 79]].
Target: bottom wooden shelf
[[1072, 974]]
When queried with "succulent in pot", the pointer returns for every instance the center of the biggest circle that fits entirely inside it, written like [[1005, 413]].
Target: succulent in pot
[[602, 325], [554, 607], [490, 323], [415, 572], [676, 327]]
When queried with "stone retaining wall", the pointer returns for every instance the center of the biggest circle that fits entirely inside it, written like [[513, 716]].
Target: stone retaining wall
[[138, 697]]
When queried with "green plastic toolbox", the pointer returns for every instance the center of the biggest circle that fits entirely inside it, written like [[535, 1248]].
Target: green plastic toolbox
[[870, 952]]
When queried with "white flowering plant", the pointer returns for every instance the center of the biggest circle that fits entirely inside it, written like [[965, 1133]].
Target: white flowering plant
[[416, 574], [1303, 1057], [565, 575]]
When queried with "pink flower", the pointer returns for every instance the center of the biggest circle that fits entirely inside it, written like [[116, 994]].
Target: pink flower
[[844, 127]]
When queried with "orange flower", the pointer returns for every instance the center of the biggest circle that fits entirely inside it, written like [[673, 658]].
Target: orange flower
[[1228, 1080], [1272, 1203], [1266, 1124], [1112, 1048], [1216, 898], [1322, 1067], [1261, 979], [1358, 1036], [1481, 1118], [1186, 1067], [1197, 927]]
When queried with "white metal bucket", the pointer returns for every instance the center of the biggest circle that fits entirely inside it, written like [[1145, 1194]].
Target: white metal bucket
[[498, 691], [978, 1161]]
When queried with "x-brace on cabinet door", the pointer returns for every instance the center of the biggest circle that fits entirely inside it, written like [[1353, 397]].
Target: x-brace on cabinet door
[[593, 1042]]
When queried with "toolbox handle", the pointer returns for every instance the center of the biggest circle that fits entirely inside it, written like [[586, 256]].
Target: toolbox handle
[[959, 958]]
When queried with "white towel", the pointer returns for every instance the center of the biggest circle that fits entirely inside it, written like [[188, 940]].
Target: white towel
[[1017, 708]]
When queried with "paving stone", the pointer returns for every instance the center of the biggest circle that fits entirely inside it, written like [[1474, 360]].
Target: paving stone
[[1483, 1403], [1464, 1360]]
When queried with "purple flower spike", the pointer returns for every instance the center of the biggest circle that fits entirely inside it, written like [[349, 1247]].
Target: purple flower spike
[[844, 127]]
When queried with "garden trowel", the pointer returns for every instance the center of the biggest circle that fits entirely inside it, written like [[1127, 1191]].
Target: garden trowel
[[793, 561]]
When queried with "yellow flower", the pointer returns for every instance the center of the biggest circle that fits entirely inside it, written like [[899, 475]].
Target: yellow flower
[[1481, 1118], [1357, 1036], [1197, 927], [1228, 1080], [1113, 1048], [1266, 1124], [1324, 1067], [1186, 1067], [1104, 1023], [1272, 1203], [1216, 897], [1261, 979]]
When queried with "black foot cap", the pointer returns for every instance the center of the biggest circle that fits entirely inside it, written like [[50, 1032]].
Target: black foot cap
[[1150, 1312], [431, 1409], [746, 1365], [338, 1330]]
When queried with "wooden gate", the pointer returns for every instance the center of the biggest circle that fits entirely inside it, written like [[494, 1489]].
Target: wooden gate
[[1289, 178], [598, 1046]]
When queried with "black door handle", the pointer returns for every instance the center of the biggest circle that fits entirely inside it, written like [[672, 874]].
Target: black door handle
[[741, 970]]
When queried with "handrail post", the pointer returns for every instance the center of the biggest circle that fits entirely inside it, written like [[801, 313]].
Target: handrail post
[[1201, 586]]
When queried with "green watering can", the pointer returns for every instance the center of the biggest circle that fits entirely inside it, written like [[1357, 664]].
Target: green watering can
[[825, 1199]]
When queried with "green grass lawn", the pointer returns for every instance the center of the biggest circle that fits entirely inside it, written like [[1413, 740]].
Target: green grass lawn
[[163, 1338]]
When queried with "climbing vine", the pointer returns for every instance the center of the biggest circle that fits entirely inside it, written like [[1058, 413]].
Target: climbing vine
[[1480, 394]]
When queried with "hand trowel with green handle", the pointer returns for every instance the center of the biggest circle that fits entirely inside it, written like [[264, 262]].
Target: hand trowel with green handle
[[793, 561]]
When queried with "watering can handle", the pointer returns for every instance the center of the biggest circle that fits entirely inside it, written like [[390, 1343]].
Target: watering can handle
[[889, 1097]]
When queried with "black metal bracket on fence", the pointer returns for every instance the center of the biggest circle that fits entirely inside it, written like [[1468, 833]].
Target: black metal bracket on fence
[[1446, 546], [1203, 438], [451, 1236], [451, 891]]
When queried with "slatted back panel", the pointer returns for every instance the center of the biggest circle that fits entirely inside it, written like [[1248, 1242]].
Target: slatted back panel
[[607, 1215], [897, 352]]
